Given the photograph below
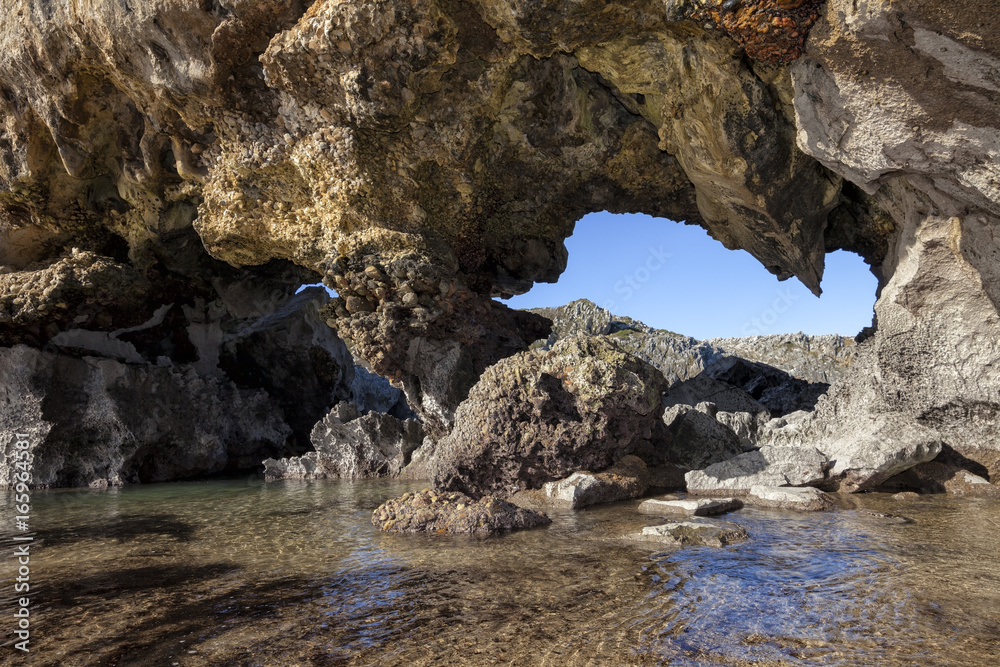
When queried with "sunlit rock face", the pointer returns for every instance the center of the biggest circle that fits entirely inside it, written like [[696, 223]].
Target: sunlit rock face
[[423, 157]]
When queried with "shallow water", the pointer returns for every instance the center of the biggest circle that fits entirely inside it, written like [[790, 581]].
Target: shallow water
[[242, 573]]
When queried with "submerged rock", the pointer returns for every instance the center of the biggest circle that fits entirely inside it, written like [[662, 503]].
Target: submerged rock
[[428, 511], [350, 445], [693, 533], [694, 507], [541, 415], [804, 498]]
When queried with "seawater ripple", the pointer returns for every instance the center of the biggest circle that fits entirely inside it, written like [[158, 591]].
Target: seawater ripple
[[246, 573]]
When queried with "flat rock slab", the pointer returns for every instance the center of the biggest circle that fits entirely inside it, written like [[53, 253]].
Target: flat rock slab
[[804, 498], [693, 534], [691, 507]]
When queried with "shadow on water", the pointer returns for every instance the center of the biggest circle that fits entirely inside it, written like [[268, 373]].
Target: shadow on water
[[224, 573], [124, 528]]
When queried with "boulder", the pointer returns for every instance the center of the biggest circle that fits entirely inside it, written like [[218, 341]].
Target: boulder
[[693, 507], [698, 439], [703, 388], [350, 445], [776, 390], [432, 512], [770, 466], [693, 533], [938, 477], [627, 479], [866, 452], [804, 498], [746, 425], [541, 415]]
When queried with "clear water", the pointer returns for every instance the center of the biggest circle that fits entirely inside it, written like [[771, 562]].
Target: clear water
[[242, 573]]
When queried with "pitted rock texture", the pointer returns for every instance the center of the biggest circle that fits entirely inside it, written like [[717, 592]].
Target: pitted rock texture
[[814, 359], [98, 422], [424, 157], [543, 414], [349, 445], [432, 512]]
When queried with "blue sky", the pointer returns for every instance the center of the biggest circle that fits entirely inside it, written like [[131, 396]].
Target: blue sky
[[676, 277]]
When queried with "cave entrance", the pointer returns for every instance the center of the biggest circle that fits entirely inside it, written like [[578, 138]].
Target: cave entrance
[[676, 277]]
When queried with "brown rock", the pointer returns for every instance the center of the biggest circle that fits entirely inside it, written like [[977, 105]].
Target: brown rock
[[542, 415], [428, 511]]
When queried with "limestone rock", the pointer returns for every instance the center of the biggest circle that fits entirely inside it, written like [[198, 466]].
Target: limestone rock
[[100, 422], [804, 498], [693, 507], [693, 534], [293, 355], [938, 477], [625, 480], [698, 439], [349, 445], [869, 453], [425, 157], [542, 415], [770, 466], [428, 511]]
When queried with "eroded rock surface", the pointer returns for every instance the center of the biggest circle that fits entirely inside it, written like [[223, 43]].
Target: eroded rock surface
[[98, 422], [544, 414], [432, 512], [424, 157], [693, 533], [349, 445]]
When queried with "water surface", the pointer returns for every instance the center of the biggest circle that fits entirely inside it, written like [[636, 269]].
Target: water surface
[[243, 573]]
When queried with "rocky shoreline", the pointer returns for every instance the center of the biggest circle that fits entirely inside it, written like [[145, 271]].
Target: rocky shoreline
[[170, 177]]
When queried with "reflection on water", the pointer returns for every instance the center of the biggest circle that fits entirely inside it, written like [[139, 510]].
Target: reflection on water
[[242, 573]]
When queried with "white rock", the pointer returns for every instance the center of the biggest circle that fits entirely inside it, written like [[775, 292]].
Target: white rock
[[695, 507], [790, 497]]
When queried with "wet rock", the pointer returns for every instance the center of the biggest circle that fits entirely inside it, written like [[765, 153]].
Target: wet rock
[[938, 477], [544, 414], [428, 511], [625, 480], [698, 439], [349, 445], [694, 507], [789, 497], [884, 518], [770, 466], [693, 533]]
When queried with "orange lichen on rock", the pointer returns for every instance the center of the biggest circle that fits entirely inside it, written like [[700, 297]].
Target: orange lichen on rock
[[772, 31]]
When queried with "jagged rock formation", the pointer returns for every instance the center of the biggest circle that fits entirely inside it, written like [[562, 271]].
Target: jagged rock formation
[[432, 512], [541, 415], [98, 422], [423, 157], [349, 445], [812, 359]]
